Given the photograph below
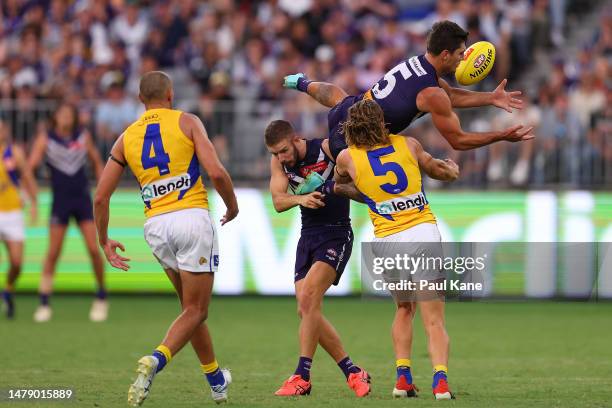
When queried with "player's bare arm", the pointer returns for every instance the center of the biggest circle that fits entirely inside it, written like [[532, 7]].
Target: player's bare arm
[[438, 104], [94, 156], [463, 98], [345, 169], [283, 200], [443, 170], [193, 127], [346, 189], [38, 151], [323, 92], [28, 180], [106, 186]]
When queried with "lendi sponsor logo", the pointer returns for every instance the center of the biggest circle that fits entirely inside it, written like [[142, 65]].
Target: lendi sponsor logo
[[165, 186], [401, 204], [483, 65]]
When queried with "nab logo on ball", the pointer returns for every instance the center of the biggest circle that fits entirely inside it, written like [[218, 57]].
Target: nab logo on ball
[[476, 64]]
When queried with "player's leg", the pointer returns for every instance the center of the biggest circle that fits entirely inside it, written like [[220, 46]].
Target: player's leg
[[196, 289], [319, 278], [15, 257], [432, 314], [57, 233], [201, 342], [99, 308], [401, 333], [329, 338], [323, 92]]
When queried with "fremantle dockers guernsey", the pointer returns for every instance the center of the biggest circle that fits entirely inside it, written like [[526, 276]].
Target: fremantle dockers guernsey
[[336, 210]]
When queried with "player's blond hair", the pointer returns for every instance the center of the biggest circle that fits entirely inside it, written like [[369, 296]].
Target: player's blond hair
[[365, 125], [154, 86]]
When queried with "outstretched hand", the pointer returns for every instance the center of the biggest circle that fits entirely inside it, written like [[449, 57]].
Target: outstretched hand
[[518, 133], [506, 100], [116, 260]]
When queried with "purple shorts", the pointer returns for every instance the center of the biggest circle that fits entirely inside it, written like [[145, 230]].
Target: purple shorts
[[332, 245]]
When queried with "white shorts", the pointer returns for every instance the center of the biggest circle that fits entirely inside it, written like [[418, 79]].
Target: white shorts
[[424, 232], [421, 241], [12, 226], [184, 239]]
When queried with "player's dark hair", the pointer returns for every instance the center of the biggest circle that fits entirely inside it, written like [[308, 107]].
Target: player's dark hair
[[445, 35], [365, 125], [154, 86], [276, 131], [75, 115]]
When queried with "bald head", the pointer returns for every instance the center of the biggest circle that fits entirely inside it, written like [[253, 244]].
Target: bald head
[[155, 86]]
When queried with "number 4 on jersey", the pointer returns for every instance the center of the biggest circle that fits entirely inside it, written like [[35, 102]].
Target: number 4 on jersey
[[160, 158]]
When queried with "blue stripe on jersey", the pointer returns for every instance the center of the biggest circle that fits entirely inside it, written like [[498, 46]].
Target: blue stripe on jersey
[[194, 174], [14, 173], [372, 204]]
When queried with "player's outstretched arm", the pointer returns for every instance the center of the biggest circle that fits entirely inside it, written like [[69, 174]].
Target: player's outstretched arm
[[323, 92], [444, 170], [463, 98], [29, 182], [437, 103], [281, 199], [193, 127], [106, 186]]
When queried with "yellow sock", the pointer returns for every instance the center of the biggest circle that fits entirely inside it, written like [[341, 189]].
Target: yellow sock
[[165, 351], [440, 367], [403, 362], [210, 367]]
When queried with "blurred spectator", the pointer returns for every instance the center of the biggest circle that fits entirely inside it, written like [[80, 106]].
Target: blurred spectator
[[228, 58], [114, 113]]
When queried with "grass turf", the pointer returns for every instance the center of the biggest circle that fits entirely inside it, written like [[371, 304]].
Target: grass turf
[[506, 354]]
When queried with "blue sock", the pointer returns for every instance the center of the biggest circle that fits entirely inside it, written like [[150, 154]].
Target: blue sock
[[303, 368], [101, 294], [161, 357], [302, 84], [44, 299], [347, 366], [439, 375], [404, 371], [215, 378], [10, 305]]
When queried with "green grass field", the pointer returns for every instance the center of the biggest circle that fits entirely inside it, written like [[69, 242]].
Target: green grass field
[[503, 354]]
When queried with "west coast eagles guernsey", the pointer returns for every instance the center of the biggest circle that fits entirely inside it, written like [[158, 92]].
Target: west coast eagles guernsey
[[388, 176], [164, 161]]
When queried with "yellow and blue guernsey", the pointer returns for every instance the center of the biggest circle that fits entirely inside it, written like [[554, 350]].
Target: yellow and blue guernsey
[[388, 176], [164, 161], [10, 200]]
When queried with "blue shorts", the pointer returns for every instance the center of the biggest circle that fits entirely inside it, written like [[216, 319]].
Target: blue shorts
[[66, 206], [332, 245], [335, 117]]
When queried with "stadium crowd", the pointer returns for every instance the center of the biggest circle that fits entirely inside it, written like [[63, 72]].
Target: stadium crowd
[[228, 58]]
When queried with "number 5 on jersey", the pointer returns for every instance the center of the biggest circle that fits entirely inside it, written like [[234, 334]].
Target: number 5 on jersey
[[160, 158], [381, 169]]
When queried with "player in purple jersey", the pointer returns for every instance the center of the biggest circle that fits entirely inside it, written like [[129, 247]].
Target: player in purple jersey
[[67, 149], [323, 250], [415, 87]]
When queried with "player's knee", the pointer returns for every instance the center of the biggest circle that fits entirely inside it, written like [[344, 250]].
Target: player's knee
[[308, 301], [94, 254], [196, 312], [15, 267], [405, 310]]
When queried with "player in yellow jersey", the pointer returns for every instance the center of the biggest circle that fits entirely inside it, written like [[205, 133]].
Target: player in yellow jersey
[[385, 169], [164, 149], [13, 169]]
